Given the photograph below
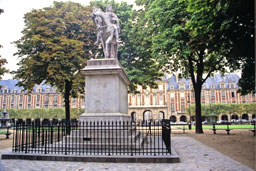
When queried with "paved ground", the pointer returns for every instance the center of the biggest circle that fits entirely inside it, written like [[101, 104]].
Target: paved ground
[[193, 156]]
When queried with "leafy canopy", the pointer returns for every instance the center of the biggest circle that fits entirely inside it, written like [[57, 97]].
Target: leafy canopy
[[54, 47], [3, 61], [137, 62]]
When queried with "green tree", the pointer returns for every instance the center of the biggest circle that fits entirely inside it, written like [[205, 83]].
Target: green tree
[[232, 23], [55, 45], [177, 46], [3, 61], [138, 64]]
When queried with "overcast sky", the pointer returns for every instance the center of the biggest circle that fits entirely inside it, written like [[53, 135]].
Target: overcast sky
[[12, 24]]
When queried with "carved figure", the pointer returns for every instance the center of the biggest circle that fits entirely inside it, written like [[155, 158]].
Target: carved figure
[[108, 27]]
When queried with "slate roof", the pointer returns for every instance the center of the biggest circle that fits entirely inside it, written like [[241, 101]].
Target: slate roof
[[172, 81], [11, 85], [215, 81]]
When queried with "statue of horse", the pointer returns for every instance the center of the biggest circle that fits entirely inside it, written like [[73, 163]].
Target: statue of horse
[[108, 30]]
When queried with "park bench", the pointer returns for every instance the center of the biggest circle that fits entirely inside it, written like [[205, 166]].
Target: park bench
[[254, 129], [214, 129], [6, 131], [173, 127]]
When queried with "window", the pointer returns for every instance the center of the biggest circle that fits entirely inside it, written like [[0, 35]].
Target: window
[[4, 106], [232, 85], [213, 94], [182, 94], [46, 100], [182, 107], [192, 94], [38, 98], [172, 107], [37, 105], [20, 106], [147, 101], [5, 91], [171, 87], [4, 99], [12, 99], [29, 106], [38, 90], [139, 100], [73, 102], [55, 99], [160, 87], [161, 102], [202, 94], [29, 98], [222, 85], [12, 106], [190, 85], [47, 90], [233, 94], [182, 86], [172, 95], [223, 94], [20, 98], [133, 100], [154, 100]]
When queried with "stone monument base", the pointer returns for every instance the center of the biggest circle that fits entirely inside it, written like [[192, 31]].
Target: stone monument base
[[95, 117], [106, 94]]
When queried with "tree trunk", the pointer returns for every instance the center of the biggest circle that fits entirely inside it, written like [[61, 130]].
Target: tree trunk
[[68, 85], [199, 129]]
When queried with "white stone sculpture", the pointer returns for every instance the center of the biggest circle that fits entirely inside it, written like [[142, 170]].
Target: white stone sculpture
[[108, 27]]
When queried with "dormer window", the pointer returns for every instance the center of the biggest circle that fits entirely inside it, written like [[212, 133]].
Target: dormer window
[[47, 90], [182, 86], [38, 89], [171, 87], [232, 85], [5, 90], [160, 87], [54, 89], [222, 85], [212, 86], [190, 85]]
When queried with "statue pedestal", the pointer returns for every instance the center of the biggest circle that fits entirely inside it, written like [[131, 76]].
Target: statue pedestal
[[106, 96]]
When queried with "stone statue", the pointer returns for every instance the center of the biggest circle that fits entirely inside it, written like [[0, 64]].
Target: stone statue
[[108, 27]]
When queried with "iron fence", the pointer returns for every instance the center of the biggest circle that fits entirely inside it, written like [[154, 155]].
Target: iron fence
[[93, 138]]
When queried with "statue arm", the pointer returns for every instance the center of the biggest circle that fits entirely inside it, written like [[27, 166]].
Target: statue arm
[[114, 17]]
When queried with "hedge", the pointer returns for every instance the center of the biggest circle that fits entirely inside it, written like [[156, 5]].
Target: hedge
[[58, 113]]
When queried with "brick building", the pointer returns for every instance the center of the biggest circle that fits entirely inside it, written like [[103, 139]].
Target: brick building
[[168, 101], [42, 96], [174, 95]]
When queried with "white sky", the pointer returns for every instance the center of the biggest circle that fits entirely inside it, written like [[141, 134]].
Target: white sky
[[11, 25]]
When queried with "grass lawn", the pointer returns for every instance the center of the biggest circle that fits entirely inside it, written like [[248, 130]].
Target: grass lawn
[[248, 126], [225, 126]]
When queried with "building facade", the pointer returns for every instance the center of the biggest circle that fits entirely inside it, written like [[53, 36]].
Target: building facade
[[175, 95], [42, 96], [169, 101]]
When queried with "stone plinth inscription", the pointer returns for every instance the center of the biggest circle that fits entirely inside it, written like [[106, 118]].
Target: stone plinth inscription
[[102, 94]]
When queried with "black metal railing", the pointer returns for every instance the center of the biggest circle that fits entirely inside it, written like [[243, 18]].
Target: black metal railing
[[93, 138]]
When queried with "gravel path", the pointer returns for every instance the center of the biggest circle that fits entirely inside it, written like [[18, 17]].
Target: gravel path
[[193, 156]]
